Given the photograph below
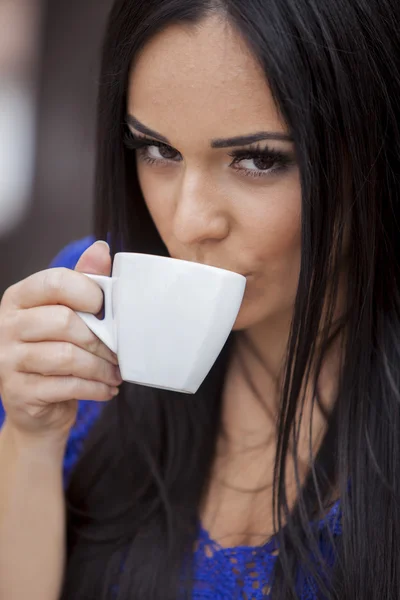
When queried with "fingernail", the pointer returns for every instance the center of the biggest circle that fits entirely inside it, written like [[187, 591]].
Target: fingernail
[[114, 391], [103, 243]]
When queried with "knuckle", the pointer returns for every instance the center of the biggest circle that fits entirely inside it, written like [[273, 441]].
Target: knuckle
[[65, 318], [9, 294], [6, 296], [34, 411], [94, 344], [54, 280], [37, 393], [9, 321], [74, 387], [65, 387], [7, 363], [9, 388], [65, 354], [22, 357]]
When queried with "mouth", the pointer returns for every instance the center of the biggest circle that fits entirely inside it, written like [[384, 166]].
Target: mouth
[[244, 274]]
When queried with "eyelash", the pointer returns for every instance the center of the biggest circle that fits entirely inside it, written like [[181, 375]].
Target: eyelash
[[280, 161]]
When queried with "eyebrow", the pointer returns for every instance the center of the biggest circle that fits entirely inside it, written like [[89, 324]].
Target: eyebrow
[[241, 140]]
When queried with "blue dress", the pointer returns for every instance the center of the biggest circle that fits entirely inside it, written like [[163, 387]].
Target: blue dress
[[220, 573]]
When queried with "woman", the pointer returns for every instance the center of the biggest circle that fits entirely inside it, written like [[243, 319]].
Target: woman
[[262, 137]]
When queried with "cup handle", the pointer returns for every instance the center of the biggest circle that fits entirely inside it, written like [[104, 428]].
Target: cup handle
[[104, 329]]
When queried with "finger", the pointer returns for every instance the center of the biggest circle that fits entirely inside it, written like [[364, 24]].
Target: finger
[[56, 286], [60, 324], [95, 260], [50, 390], [63, 359]]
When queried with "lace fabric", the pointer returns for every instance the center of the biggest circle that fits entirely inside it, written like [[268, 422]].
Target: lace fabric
[[228, 573], [245, 572]]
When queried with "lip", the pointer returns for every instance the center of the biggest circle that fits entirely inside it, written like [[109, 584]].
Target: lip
[[216, 266]]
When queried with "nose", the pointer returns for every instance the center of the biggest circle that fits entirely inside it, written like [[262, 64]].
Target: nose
[[200, 212]]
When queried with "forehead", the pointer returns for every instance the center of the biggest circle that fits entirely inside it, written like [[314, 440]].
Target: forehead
[[201, 77]]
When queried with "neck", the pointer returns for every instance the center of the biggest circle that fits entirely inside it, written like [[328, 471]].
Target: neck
[[251, 398], [242, 475]]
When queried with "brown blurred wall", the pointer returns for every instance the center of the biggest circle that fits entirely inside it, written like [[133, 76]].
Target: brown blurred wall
[[61, 207]]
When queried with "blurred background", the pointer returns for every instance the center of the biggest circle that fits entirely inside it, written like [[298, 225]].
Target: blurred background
[[49, 61]]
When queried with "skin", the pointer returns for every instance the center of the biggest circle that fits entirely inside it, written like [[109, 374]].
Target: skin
[[190, 86], [48, 357], [193, 86]]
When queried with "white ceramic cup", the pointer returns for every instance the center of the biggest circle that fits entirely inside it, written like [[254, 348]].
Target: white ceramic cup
[[166, 319]]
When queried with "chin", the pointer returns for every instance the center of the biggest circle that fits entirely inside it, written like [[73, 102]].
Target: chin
[[238, 326], [243, 324], [247, 317], [254, 309]]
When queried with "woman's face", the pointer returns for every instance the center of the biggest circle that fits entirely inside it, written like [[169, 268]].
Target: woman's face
[[217, 169]]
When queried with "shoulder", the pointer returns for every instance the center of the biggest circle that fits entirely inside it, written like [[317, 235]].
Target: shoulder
[[88, 412]]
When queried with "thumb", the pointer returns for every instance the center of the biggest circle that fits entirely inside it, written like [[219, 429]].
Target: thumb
[[96, 260]]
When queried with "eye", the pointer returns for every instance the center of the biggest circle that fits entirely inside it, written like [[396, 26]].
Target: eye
[[259, 162], [151, 151], [160, 152]]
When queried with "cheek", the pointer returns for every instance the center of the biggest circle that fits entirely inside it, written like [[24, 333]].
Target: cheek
[[271, 225], [158, 198], [271, 236], [266, 222]]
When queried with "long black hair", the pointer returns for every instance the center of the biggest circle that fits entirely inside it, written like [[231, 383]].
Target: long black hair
[[133, 501]]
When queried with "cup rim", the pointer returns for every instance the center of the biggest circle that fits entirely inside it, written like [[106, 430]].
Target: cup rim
[[196, 265]]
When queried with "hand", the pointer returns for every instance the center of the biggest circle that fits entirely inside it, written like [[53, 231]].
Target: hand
[[48, 356]]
